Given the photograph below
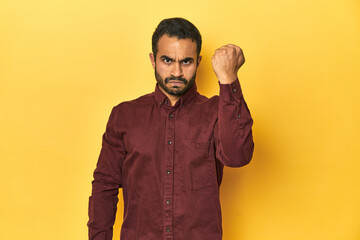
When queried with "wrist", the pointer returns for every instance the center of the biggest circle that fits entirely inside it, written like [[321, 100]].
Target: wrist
[[227, 79]]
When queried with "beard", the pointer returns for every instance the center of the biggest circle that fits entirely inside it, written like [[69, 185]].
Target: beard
[[175, 90]]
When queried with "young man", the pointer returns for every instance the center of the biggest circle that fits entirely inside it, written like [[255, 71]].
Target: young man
[[167, 149]]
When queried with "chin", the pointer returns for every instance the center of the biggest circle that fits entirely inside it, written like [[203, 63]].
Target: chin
[[176, 91], [176, 88]]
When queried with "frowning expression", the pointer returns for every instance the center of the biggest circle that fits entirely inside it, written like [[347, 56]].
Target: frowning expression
[[175, 64]]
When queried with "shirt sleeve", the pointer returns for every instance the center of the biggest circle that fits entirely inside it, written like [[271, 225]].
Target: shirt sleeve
[[233, 130], [107, 181]]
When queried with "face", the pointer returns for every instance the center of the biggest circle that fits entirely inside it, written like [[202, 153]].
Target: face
[[175, 64]]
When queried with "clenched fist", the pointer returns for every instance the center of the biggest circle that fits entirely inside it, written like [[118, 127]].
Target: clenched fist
[[226, 62]]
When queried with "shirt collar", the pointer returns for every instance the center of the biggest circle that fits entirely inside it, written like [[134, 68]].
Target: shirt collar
[[162, 99]]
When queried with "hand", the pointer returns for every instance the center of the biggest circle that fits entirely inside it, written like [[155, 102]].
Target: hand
[[226, 62]]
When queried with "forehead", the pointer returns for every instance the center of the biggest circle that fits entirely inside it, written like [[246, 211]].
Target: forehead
[[174, 47]]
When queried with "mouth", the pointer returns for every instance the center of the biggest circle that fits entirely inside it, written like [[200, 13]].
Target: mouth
[[176, 83]]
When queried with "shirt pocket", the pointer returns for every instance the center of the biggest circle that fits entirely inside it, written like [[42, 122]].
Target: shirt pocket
[[199, 167]]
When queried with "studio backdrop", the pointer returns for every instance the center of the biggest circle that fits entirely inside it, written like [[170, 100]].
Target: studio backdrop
[[64, 65]]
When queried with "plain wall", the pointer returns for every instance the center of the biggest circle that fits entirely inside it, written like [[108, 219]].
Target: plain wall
[[65, 64]]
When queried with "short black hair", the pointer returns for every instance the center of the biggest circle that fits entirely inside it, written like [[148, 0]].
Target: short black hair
[[176, 27]]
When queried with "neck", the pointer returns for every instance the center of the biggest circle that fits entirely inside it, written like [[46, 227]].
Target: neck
[[173, 99]]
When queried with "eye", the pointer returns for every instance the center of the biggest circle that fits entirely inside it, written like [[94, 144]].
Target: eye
[[186, 61], [167, 60]]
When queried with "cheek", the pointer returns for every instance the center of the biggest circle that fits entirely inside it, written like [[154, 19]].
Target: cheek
[[189, 71], [162, 70]]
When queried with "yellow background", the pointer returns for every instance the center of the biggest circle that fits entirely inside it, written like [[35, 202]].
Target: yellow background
[[64, 64]]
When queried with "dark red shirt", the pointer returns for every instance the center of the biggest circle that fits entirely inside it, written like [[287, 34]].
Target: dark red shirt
[[169, 162]]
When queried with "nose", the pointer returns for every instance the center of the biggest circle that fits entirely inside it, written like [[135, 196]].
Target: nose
[[177, 71]]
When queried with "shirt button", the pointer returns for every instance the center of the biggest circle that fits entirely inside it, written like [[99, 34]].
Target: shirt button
[[167, 229], [171, 115], [182, 105], [166, 101], [239, 115], [168, 171], [170, 142], [234, 90], [168, 201]]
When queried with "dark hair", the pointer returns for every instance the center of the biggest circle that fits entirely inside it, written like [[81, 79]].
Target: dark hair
[[176, 27]]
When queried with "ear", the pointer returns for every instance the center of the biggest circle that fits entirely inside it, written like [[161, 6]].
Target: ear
[[199, 60], [152, 59]]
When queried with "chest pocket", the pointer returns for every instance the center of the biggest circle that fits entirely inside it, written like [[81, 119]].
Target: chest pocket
[[198, 167]]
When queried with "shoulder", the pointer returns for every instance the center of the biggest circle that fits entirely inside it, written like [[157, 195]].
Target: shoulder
[[205, 105], [126, 113], [203, 100], [142, 101]]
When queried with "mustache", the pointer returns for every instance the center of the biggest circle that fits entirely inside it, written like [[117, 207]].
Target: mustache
[[175, 78]]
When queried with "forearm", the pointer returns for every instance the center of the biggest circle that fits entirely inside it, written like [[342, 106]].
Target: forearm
[[102, 211], [235, 140]]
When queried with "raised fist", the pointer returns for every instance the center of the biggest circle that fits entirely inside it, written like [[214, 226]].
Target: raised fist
[[226, 62]]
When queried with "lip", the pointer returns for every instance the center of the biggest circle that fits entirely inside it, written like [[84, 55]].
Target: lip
[[176, 82]]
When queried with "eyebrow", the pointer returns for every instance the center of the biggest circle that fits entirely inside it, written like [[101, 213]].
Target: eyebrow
[[181, 60]]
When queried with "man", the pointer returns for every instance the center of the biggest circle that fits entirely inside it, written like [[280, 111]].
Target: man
[[167, 149]]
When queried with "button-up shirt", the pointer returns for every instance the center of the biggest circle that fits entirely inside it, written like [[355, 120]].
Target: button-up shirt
[[169, 162]]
